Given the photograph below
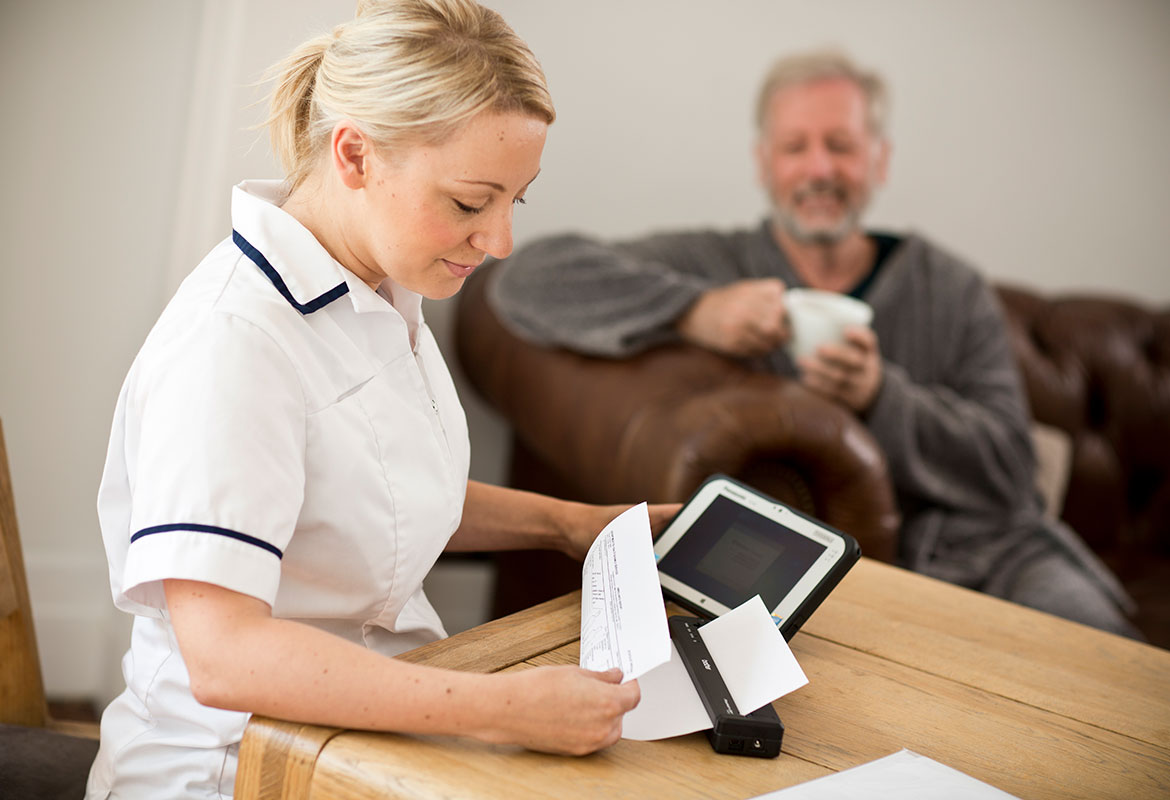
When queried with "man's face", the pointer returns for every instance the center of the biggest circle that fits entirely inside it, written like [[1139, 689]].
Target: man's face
[[818, 159]]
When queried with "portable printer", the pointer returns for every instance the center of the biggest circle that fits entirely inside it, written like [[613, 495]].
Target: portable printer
[[756, 734]]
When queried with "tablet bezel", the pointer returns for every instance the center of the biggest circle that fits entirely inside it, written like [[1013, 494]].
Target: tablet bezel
[[841, 552]]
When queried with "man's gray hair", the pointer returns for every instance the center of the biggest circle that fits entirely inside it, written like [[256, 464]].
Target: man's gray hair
[[819, 65]]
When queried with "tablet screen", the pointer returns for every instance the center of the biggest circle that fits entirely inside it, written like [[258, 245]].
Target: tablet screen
[[732, 552], [730, 542]]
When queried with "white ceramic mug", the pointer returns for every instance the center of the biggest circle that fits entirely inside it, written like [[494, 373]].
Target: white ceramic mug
[[816, 317]]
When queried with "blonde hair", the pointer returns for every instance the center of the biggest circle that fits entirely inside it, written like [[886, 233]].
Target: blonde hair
[[406, 72], [820, 65]]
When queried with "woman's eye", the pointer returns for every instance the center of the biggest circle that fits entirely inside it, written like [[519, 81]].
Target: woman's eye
[[466, 209], [519, 201]]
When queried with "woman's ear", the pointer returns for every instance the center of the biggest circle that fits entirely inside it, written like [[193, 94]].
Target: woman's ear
[[350, 151]]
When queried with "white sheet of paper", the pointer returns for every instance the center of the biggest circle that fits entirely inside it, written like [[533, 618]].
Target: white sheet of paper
[[752, 656], [905, 775], [670, 706], [623, 619]]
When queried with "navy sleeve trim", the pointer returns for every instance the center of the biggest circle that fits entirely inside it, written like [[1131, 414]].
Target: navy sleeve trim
[[190, 526], [270, 272]]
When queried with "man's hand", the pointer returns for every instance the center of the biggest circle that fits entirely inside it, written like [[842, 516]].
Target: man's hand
[[850, 372], [745, 318]]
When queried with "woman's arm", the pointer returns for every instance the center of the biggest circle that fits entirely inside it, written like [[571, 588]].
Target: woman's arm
[[241, 658], [496, 518]]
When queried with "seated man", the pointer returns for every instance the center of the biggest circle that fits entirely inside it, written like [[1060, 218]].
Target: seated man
[[934, 380]]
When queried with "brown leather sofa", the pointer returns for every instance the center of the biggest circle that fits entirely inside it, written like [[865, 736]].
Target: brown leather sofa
[[655, 426], [1098, 368]]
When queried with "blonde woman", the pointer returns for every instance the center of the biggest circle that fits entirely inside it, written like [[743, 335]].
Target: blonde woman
[[288, 456]]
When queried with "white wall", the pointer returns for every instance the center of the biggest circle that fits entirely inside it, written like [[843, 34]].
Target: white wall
[[1029, 137], [92, 97]]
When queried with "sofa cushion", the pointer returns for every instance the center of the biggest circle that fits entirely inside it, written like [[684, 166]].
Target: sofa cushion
[[1053, 462]]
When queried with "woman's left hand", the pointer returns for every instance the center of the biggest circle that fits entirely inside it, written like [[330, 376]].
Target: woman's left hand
[[497, 518], [593, 519]]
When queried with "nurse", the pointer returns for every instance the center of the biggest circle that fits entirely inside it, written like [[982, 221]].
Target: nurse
[[288, 456]]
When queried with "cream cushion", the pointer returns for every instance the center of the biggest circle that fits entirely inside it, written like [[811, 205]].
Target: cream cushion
[[1053, 462]]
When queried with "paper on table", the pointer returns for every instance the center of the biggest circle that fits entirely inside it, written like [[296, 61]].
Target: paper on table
[[623, 619], [905, 775], [752, 657]]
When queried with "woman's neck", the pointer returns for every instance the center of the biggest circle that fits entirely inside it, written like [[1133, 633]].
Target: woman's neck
[[313, 205]]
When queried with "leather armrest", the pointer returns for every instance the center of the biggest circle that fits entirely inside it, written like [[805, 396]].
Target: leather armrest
[[654, 426]]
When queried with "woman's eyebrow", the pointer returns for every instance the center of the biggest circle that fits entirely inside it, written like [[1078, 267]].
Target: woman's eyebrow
[[495, 185]]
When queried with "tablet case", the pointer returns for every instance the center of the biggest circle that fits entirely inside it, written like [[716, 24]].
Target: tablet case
[[800, 615]]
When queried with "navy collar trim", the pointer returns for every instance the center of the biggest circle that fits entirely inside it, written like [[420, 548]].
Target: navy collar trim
[[270, 272]]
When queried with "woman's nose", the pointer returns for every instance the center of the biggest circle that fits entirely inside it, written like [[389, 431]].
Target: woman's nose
[[495, 238]]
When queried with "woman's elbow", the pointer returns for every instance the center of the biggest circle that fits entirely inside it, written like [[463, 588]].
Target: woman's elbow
[[209, 623], [213, 685]]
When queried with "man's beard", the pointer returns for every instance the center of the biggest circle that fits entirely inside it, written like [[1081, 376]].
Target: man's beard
[[786, 218]]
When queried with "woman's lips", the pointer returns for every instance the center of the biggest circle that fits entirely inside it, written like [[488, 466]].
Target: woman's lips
[[460, 270]]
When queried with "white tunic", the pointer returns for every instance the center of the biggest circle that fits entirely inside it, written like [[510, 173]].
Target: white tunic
[[285, 432]]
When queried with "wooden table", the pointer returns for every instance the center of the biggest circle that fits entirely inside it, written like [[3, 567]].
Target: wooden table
[[1032, 704]]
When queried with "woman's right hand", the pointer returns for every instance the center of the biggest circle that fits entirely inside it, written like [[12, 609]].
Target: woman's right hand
[[565, 710]]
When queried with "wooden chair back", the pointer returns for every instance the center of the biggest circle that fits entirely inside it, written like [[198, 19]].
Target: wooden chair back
[[22, 690]]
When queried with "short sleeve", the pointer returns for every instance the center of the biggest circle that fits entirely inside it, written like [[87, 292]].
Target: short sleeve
[[215, 450]]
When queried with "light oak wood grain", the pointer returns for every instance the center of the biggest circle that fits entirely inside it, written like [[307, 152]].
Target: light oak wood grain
[[1028, 760], [282, 758], [856, 708], [1001, 647], [1034, 705], [383, 765], [503, 642]]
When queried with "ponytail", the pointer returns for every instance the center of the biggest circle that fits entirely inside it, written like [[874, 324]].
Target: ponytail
[[291, 107]]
